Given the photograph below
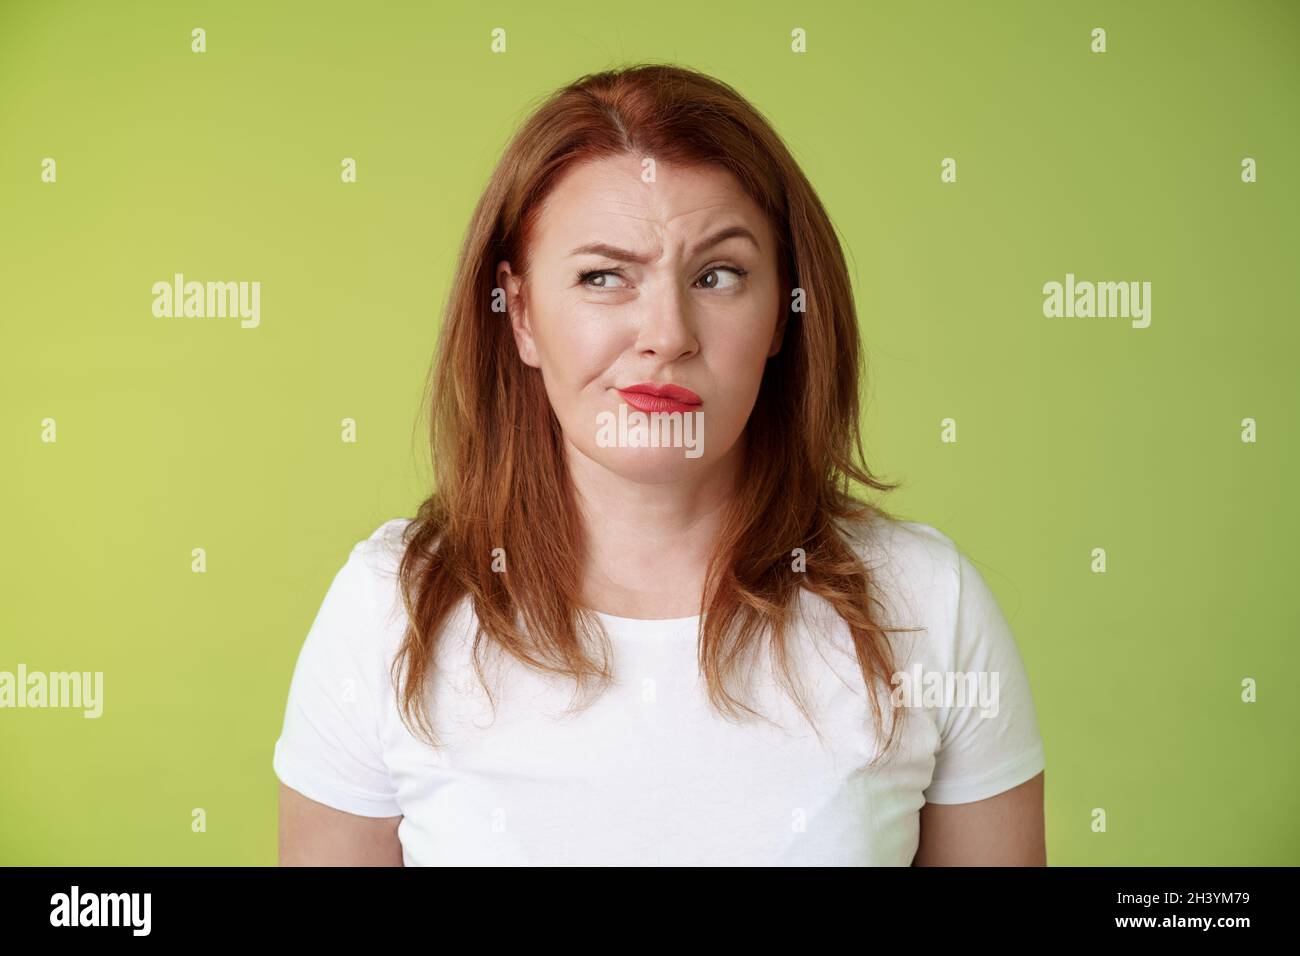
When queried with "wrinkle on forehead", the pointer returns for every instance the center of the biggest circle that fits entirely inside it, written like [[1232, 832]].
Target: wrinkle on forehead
[[666, 214]]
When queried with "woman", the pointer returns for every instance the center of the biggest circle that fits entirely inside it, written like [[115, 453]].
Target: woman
[[641, 620]]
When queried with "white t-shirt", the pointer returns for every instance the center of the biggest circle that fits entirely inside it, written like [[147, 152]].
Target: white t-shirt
[[650, 774]]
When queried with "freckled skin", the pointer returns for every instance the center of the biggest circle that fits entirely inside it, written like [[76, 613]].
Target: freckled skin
[[680, 317]]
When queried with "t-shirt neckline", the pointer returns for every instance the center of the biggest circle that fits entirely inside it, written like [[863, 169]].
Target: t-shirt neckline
[[647, 627]]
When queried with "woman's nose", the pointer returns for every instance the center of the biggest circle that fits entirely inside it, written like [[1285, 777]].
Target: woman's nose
[[666, 329]]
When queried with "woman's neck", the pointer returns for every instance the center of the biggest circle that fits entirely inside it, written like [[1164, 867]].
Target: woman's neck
[[648, 544]]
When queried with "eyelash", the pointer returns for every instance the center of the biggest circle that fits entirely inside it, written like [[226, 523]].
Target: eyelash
[[585, 274]]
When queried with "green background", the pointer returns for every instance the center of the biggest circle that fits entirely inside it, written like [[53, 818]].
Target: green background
[[1073, 434]]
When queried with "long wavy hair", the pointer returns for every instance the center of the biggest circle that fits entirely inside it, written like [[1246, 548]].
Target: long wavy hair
[[500, 476]]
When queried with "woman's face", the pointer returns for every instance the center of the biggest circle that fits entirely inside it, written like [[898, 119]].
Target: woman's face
[[679, 288]]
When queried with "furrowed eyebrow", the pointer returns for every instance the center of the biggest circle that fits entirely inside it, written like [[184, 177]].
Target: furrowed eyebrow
[[626, 255], [731, 232]]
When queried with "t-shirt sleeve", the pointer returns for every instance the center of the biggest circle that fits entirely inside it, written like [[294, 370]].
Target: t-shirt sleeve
[[995, 744], [330, 747]]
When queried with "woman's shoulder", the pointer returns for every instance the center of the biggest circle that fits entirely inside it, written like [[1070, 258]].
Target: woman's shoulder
[[906, 551], [381, 551], [370, 573], [925, 578]]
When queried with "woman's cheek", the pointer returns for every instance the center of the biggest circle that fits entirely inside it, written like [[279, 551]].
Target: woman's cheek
[[740, 355], [564, 352], [584, 336]]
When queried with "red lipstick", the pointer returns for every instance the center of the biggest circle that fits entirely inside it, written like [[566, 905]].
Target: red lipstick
[[649, 397]]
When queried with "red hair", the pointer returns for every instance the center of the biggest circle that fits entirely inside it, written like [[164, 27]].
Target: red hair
[[500, 474]]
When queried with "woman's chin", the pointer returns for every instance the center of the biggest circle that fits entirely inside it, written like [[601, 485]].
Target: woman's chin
[[651, 465]]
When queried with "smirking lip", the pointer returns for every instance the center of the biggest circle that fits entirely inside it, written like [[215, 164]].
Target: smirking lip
[[648, 397]]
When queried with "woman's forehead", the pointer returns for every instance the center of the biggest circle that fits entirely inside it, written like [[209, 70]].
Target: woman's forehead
[[619, 198]]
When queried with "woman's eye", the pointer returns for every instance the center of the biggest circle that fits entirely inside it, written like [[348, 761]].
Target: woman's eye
[[598, 279], [717, 272], [714, 278]]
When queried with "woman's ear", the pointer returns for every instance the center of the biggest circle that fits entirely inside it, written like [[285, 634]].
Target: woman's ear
[[778, 336], [517, 308]]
